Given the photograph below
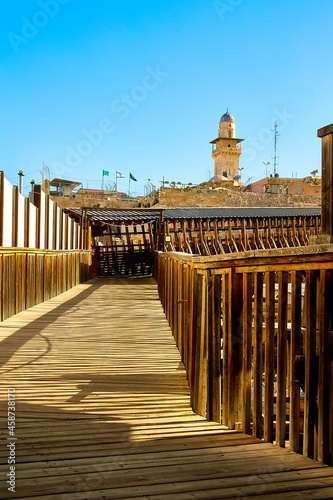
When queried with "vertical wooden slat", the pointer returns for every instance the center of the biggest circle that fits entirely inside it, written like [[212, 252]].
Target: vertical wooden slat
[[324, 369], [47, 243], [5, 286], [225, 330], [26, 222], [281, 400], [15, 215], [269, 356], [2, 188], [55, 226], [1, 284], [201, 359], [247, 350], [11, 284], [295, 358], [326, 134], [66, 242], [310, 406], [257, 355], [235, 348], [193, 333], [214, 348], [180, 307]]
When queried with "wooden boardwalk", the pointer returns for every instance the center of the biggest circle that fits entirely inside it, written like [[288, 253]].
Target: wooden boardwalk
[[102, 410]]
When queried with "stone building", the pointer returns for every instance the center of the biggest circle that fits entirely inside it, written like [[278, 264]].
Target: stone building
[[226, 149], [307, 186]]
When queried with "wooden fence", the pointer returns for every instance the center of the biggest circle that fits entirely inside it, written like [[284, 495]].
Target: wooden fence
[[122, 260], [39, 223], [232, 234], [255, 334], [28, 277]]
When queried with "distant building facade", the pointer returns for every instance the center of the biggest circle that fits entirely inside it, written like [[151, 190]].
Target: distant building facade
[[226, 149], [307, 186]]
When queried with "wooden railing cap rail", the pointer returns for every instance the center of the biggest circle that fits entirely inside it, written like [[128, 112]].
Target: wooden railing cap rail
[[38, 250], [328, 129], [270, 256]]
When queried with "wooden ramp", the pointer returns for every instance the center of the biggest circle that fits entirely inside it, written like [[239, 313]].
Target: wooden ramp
[[102, 410]]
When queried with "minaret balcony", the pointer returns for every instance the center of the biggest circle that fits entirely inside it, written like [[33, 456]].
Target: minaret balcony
[[231, 150]]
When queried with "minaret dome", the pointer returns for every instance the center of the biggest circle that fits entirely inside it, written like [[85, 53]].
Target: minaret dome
[[227, 148]]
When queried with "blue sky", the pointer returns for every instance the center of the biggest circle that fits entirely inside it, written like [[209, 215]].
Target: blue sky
[[140, 86]]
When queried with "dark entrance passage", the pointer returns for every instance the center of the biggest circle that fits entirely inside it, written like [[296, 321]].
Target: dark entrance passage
[[122, 260]]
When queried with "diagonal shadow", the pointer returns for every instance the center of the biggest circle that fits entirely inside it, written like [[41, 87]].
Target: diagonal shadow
[[10, 345], [139, 383]]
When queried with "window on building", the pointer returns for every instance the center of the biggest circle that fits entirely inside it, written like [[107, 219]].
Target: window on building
[[298, 190], [225, 173], [316, 191]]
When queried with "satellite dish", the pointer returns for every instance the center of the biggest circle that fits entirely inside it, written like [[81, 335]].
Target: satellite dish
[[237, 177]]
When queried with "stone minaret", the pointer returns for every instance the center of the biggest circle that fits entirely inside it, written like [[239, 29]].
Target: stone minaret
[[226, 148]]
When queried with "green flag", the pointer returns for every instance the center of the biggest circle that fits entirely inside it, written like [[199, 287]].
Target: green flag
[[105, 172]]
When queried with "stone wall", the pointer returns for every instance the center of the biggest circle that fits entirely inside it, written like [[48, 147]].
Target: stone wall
[[91, 200], [194, 197]]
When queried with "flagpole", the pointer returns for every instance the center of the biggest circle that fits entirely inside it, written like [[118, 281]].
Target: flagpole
[[129, 186], [116, 180], [102, 180]]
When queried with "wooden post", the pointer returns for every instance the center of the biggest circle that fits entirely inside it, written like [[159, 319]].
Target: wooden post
[[37, 203], [15, 216], [257, 355], [214, 348], [66, 243], [281, 359], [235, 348], [295, 358], [247, 348], [225, 330], [326, 135], [2, 187], [201, 380], [26, 223], [55, 226], [47, 222], [310, 404], [269, 356], [324, 379]]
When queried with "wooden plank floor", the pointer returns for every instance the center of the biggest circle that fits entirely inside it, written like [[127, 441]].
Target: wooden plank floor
[[103, 410]]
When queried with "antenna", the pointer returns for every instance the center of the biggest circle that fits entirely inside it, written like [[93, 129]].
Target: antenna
[[276, 135]]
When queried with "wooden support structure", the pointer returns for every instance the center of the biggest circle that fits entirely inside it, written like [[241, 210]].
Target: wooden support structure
[[96, 419], [326, 135], [29, 277], [265, 318]]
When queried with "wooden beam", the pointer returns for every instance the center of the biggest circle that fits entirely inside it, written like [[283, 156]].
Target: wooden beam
[[282, 359], [2, 189], [15, 216], [26, 222], [326, 135], [247, 349], [269, 356]]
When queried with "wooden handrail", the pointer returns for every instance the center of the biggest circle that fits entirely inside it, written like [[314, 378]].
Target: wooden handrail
[[255, 333], [29, 277]]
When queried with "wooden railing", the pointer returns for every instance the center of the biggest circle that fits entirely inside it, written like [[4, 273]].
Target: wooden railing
[[254, 330], [232, 234], [28, 277]]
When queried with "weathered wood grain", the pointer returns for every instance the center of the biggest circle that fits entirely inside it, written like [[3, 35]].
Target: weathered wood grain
[[103, 409]]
